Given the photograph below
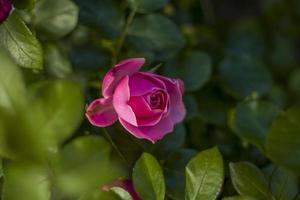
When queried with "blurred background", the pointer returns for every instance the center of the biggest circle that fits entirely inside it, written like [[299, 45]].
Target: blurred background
[[239, 61]]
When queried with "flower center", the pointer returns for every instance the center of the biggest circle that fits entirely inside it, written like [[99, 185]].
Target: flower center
[[157, 100]]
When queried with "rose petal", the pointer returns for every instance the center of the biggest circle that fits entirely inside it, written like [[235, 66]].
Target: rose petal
[[151, 133], [142, 83], [144, 115], [120, 101], [140, 107], [113, 76], [175, 90], [101, 113], [5, 9]]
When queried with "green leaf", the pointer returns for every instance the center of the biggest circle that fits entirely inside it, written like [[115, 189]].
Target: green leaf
[[244, 76], [31, 139], [204, 175], [83, 165], [63, 104], [238, 198], [251, 121], [191, 105], [123, 194], [170, 142], [246, 42], [174, 169], [95, 14], [283, 140], [55, 111], [11, 95], [24, 48], [155, 35], [248, 180], [55, 17], [56, 63], [25, 181], [89, 59], [148, 178], [23, 4], [195, 70], [283, 184], [146, 6]]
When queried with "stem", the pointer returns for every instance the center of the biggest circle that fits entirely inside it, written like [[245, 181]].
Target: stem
[[115, 146], [123, 35]]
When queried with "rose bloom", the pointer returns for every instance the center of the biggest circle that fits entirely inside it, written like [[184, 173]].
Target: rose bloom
[[5, 9], [147, 105], [127, 185]]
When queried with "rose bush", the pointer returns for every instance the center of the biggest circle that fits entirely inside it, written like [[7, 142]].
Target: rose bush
[[146, 104], [239, 61]]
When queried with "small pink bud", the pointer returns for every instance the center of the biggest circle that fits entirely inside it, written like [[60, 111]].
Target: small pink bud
[[5, 9]]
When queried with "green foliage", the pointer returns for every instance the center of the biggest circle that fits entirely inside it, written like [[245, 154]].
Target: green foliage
[[24, 4], [160, 39], [11, 95], [248, 180], [146, 6], [283, 184], [284, 133], [239, 61], [244, 76], [238, 198], [55, 17], [101, 15], [148, 178], [25, 181], [56, 64], [251, 120], [204, 175], [195, 70], [21, 43], [83, 165]]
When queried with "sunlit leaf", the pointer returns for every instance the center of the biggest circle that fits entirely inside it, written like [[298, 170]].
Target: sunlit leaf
[[123, 194], [11, 95], [148, 178], [25, 181], [23, 46], [83, 165], [204, 175]]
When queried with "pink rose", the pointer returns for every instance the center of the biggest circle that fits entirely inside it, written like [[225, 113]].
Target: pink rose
[[125, 184], [146, 104], [5, 9]]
